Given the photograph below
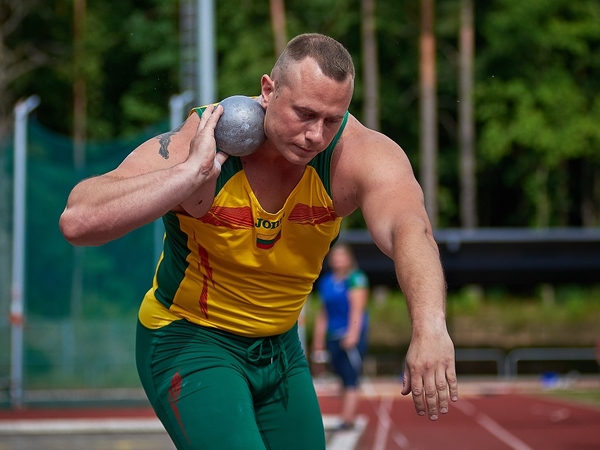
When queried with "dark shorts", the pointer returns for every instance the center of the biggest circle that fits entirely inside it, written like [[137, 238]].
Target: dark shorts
[[216, 390], [348, 365]]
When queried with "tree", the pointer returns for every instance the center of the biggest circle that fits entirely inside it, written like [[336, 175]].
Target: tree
[[429, 135], [539, 105], [18, 57], [466, 125], [278, 21], [370, 64]]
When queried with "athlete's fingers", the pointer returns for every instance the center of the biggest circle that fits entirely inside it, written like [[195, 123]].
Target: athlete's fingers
[[406, 388], [418, 394], [209, 118], [442, 391], [204, 117], [220, 159], [452, 382], [431, 396]]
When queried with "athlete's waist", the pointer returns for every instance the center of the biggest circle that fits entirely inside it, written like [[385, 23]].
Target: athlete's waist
[[236, 319]]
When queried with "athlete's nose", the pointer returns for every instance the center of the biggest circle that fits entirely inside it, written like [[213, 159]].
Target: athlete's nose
[[314, 132]]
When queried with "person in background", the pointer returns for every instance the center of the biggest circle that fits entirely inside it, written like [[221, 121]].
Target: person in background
[[341, 325]]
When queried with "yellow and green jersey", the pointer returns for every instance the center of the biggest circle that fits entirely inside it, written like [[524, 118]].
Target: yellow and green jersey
[[240, 268]]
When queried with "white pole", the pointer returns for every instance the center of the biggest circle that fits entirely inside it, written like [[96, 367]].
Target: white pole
[[22, 110], [176, 105], [207, 72]]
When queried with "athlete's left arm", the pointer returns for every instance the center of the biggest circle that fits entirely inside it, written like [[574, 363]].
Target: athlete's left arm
[[392, 203]]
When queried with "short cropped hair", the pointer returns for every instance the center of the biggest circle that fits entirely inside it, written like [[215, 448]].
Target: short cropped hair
[[331, 56]]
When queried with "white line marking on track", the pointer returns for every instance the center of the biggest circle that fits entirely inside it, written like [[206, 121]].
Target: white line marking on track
[[554, 413], [491, 426], [402, 441], [560, 414], [465, 407], [501, 433], [385, 421], [80, 426], [367, 387], [347, 439]]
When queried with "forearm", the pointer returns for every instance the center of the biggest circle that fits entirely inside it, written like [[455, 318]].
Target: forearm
[[357, 303], [421, 278], [319, 331], [105, 208]]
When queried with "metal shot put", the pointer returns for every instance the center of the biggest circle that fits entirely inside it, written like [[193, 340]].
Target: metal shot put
[[240, 130]]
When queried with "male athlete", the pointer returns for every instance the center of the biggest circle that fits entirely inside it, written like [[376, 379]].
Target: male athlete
[[218, 351]]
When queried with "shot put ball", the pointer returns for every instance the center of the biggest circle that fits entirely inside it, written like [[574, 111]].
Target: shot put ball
[[240, 129]]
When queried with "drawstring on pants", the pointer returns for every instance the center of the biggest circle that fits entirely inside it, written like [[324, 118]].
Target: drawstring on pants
[[284, 365], [282, 369]]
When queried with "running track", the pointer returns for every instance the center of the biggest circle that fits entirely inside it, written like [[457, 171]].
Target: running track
[[488, 416]]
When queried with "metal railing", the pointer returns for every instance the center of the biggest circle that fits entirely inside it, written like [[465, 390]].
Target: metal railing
[[545, 354], [507, 363]]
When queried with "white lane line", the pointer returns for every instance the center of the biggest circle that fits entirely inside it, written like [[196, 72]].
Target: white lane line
[[553, 412], [491, 426], [367, 387], [385, 421], [501, 433], [465, 407], [402, 442], [347, 439], [78, 426]]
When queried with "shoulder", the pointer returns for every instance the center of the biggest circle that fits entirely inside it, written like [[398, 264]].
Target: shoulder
[[361, 146], [363, 159], [358, 279]]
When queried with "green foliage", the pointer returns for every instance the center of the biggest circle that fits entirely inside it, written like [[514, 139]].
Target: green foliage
[[590, 397], [152, 36], [538, 93], [537, 106], [537, 74], [496, 317], [245, 46]]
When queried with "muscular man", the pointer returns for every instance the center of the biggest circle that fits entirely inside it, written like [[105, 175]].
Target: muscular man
[[217, 347]]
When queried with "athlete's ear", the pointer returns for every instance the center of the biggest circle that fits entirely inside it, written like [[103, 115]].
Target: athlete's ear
[[267, 88]]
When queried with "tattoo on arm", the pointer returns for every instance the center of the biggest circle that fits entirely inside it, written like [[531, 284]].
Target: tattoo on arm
[[165, 140]]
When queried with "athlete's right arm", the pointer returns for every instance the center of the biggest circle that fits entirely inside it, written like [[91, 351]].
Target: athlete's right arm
[[154, 179]]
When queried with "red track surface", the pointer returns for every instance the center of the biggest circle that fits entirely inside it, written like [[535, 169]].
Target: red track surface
[[491, 419], [492, 416]]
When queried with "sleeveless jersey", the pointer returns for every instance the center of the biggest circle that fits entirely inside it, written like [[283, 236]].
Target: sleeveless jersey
[[240, 268]]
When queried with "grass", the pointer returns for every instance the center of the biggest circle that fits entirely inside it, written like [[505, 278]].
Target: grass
[[563, 316], [546, 316], [588, 397]]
